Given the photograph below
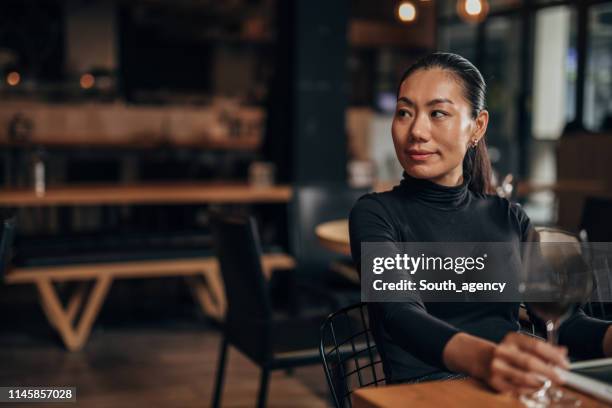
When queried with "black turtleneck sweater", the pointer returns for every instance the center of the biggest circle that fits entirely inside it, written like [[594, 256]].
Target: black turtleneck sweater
[[411, 336]]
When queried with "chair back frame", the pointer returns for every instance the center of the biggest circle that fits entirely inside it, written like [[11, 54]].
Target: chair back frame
[[343, 343]]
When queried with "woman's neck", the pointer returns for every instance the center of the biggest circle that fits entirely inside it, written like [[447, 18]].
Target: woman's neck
[[434, 194], [451, 179]]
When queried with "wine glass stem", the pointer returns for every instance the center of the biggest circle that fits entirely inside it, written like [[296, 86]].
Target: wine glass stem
[[552, 332]]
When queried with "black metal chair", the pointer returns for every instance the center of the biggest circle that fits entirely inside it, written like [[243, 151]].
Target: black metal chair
[[349, 354], [312, 205], [271, 342]]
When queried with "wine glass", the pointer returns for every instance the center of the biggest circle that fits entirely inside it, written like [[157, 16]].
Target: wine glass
[[555, 280]]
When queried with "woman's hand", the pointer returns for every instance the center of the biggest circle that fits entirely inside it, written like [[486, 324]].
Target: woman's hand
[[521, 363], [517, 364]]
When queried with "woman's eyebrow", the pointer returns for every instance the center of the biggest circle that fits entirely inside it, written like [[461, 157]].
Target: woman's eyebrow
[[439, 100], [407, 101], [436, 101]]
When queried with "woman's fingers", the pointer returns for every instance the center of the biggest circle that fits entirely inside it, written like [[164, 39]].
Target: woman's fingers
[[518, 377], [500, 384], [526, 362], [504, 384], [522, 364], [545, 351]]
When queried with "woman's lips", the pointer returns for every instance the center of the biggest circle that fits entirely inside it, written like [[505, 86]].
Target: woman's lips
[[419, 155]]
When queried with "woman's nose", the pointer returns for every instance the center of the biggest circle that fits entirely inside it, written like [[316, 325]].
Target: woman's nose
[[419, 131]]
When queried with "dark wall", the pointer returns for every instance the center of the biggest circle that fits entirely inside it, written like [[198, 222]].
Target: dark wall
[[34, 32], [156, 54], [306, 130]]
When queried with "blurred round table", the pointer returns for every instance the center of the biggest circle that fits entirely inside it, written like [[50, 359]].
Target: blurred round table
[[334, 235]]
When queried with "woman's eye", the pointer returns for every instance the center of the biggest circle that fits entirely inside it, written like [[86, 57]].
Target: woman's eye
[[438, 114], [403, 113]]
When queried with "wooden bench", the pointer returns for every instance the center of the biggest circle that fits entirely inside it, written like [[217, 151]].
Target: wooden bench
[[74, 319]]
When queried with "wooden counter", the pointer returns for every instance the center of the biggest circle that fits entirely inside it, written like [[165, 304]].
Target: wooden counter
[[158, 193]]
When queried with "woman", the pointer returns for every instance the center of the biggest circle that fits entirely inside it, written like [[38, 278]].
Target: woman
[[438, 132]]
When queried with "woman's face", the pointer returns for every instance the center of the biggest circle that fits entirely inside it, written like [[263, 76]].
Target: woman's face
[[433, 126]]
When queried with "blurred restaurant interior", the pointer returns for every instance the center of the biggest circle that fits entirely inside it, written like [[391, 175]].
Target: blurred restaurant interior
[[126, 125]]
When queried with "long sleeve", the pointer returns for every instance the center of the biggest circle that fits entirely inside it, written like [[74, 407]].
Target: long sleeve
[[408, 323], [583, 335]]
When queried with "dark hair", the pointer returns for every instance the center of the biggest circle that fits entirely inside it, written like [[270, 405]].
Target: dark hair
[[476, 162]]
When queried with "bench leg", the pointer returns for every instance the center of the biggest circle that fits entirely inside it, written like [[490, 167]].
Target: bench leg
[[73, 336], [208, 291], [76, 301]]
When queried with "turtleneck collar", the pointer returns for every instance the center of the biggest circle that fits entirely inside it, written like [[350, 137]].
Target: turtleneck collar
[[435, 195]]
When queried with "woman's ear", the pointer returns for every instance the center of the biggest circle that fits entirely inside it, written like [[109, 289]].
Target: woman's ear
[[482, 121]]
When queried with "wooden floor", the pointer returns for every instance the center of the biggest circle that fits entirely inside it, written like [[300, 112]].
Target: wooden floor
[[150, 347], [165, 366]]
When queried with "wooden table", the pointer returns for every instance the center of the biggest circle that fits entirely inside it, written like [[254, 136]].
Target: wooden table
[[447, 394], [74, 320], [152, 193], [334, 235]]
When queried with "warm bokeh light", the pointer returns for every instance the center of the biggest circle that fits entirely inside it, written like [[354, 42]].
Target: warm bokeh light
[[473, 11], [406, 12], [13, 78], [87, 81], [473, 7]]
